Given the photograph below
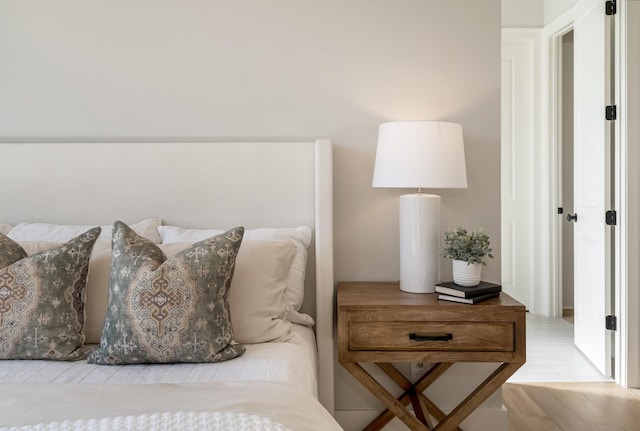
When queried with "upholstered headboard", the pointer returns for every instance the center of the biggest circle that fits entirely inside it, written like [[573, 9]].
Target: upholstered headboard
[[199, 185]]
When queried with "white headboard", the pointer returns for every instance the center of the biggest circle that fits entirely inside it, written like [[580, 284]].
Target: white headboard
[[199, 185]]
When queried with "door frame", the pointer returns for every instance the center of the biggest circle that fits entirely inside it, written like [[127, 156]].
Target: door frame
[[626, 163], [556, 122]]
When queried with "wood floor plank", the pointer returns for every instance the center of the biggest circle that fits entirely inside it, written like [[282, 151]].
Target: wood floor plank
[[571, 407], [529, 423]]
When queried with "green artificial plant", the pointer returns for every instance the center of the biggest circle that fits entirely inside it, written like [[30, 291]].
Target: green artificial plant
[[471, 247]]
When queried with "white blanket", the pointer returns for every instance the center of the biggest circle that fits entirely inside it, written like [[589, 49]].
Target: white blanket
[[177, 421], [282, 404]]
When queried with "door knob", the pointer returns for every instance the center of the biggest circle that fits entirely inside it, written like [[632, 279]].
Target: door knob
[[572, 217]]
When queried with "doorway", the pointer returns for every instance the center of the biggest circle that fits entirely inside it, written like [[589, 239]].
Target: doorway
[[570, 110], [537, 48], [549, 332], [567, 212]]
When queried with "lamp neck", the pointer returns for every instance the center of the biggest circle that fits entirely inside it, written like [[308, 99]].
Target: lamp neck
[[420, 191]]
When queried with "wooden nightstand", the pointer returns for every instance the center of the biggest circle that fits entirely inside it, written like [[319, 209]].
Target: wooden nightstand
[[379, 323]]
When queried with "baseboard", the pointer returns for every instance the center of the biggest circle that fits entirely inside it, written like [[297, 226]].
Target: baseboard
[[483, 419], [567, 314]]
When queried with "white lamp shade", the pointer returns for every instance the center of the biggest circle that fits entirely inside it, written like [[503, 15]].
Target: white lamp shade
[[420, 154]]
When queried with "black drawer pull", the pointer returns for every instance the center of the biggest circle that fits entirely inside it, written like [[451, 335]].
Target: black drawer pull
[[416, 337]]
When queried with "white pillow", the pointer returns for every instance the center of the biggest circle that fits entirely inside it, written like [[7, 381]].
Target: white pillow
[[63, 233], [33, 247], [5, 228], [300, 237], [257, 296], [96, 303]]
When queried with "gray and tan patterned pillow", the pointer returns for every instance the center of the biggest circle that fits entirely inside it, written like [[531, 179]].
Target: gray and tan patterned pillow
[[169, 310], [10, 252], [42, 299]]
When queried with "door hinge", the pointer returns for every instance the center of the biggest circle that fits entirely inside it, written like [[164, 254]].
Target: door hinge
[[611, 323], [611, 112], [611, 218], [610, 7]]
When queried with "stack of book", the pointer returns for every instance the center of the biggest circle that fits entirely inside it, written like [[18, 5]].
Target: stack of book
[[449, 291]]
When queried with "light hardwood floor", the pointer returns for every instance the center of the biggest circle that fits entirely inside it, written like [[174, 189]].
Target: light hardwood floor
[[572, 406], [559, 390]]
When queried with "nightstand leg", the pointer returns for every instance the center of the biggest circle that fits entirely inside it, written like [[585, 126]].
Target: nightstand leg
[[395, 406], [478, 396], [418, 387], [421, 404], [419, 408], [410, 394], [386, 416]]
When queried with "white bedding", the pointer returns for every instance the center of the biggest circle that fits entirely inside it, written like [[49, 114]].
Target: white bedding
[[266, 381], [273, 382], [30, 405], [291, 362]]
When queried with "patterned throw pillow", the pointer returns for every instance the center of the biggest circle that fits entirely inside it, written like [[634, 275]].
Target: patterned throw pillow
[[42, 299], [10, 252], [169, 310]]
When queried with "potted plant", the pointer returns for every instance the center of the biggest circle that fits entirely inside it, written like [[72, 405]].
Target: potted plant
[[468, 250]]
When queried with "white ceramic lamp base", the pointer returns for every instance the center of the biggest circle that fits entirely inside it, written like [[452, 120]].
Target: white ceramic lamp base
[[419, 242]]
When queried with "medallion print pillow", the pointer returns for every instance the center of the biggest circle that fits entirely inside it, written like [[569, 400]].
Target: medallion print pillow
[[42, 299], [10, 251], [167, 310]]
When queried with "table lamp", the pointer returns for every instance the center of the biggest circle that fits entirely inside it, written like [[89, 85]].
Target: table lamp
[[420, 155]]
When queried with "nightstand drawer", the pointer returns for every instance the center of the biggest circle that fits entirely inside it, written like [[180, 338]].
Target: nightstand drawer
[[432, 336]]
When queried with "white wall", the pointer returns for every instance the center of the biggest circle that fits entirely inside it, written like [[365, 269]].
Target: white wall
[[533, 13], [522, 14], [250, 69], [202, 69], [552, 9]]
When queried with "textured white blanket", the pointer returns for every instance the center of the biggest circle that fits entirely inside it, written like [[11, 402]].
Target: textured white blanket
[[27, 405], [177, 421]]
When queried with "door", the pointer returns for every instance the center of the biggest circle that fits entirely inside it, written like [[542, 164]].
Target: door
[[592, 185]]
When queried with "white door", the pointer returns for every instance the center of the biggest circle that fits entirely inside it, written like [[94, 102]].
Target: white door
[[592, 288]]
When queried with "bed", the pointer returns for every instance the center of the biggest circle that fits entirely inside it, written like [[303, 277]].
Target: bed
[[186, 193]]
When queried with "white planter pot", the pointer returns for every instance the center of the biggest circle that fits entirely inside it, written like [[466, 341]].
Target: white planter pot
[[467, 275]]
